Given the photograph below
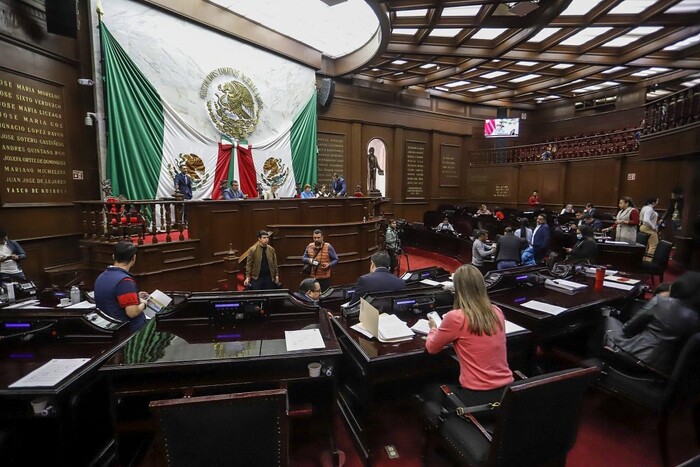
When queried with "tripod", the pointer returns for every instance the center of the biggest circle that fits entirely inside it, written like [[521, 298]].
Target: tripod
[[399, 252]]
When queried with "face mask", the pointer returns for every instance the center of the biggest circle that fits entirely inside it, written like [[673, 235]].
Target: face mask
[[579, 236]]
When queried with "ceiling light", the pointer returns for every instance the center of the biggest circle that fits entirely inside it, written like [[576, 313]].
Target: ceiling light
[[631, 7], [471, 10], [528, 64], [686, 6], [614, 69], [494, 74], [632, 36], [562, 66], [455, 84], [684, 43], [428, 65], [399, 62], [520, 79], [482, 88], [488, 33], [441, 88]]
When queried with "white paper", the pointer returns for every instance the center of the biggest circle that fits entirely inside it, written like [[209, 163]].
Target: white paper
[[614, 242], [541, 306], [51, 373], [392, 329], [430, 282], [406, 276], [512, 327], [361, 329], [615, 285], [156, 302], [304, 339], [84, 305], [623, 280], [27, 304], [564, 284], [421, 327]]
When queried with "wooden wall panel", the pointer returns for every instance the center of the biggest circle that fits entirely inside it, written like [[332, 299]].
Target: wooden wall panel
[[494, 186], [592, 182], [642, 180], [547, 179]]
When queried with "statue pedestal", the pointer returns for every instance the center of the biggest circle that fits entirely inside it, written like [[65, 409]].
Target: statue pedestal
[[375, 193]]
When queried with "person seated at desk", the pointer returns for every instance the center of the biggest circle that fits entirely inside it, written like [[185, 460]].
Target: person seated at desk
[[116, 293], [323, 192], [481, 251], [498, 214], [309, 291], [656, 333], [445, 226], [234, 192], [483, 211], [596, 225], [379, 279], [585, 249], [271, 193], [307, 193], [476, 329], [569, 209], [508, 250], [10, 256], [358, 192]]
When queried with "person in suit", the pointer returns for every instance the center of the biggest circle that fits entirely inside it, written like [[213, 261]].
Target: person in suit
[[183, 182], [234, 192], [379, 279], [508, 250], [540, 238], [309, 291], [585, 248], [340, 187]]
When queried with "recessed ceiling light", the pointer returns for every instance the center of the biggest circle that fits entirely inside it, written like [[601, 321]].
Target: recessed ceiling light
[[399, 62], [482, 88], [488, 33], [580, 7], [631, 7], [441, 88], [455, 84], [527, 64], [632, 36], [411, 13], [684, 43], [562, 66], [428, 65], [614, 69], [471, 10], [375, 69], [520, 79], [494, 74]]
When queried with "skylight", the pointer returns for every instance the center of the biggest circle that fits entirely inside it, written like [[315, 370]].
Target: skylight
[[543, 34], [562, 66], [461, 11], [633, 35], [690, 84], [547, 98], [650, 71], [520, 79], [527, 64], [428, 65], [482, 88], [631, 7], [455, 84], [441, 88], [686, 6], [567, 84], [336, 31], [446, 32], [404, 31], [614, 69], [580, 7], [684, 43], [494, 74], [411, 13], [584, 36], [488, 33], [399, 62]]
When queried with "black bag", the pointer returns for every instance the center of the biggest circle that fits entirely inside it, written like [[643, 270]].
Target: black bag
[[306, 269]]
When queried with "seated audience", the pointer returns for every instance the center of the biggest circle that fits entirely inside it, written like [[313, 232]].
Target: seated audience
[[309, 291], [323, 192], [585, 248], [527, 258], [379, 279], [271, 193], [445, 225], [481, 251], [234, 192], [483, 211], [569, 209], [656, 333], [476, 329], [10, 256], [547, 154], [508, 250], [596, 225], [307, 193]]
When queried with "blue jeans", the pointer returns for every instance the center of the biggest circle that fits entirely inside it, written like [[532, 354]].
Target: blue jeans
[[506, 264]]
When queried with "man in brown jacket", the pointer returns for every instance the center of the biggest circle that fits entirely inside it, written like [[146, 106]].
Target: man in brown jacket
[[261, 271], [319, 257]]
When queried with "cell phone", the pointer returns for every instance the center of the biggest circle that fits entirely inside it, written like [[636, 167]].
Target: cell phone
[[435, 317]]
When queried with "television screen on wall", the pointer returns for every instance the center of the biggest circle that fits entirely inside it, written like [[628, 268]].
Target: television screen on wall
[[502, 128]]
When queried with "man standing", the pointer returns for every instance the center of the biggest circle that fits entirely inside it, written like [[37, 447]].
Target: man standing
[[321, 257], [508, 250], [234, 192], [10, 256], [379, 279], [340, 188], [183, 182], [391, 242], [116, 293], [261, 264], [534, 200], [540, 238]]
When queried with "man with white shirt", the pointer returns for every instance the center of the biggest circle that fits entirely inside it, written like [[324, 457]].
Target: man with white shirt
[[649, 220], [540, 238], [10, 256]]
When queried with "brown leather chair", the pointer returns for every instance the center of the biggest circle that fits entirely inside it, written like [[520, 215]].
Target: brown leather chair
[[249, 428], [535, 423]]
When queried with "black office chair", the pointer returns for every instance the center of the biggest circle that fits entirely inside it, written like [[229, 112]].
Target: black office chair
[[643, 238], [249, 428], [659, 262], [636, 382], [535, 424]]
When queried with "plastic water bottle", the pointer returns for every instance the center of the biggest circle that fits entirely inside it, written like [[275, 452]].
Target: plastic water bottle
[[74, 295], [10, 290]]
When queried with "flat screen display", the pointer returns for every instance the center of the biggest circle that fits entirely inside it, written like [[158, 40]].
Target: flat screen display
[[502, 128]]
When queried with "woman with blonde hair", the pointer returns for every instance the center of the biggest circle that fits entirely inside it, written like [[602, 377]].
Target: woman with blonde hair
[[476, 328]]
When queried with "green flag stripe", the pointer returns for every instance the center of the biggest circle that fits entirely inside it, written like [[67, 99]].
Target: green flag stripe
[[303, 144]]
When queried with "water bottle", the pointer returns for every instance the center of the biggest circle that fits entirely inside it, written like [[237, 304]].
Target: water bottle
[[74, 295], [10, 291]]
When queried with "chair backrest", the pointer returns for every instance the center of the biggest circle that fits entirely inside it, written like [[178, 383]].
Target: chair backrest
[[643, 238], [249, 428], [538, 418], [685, 378], [662, 254]]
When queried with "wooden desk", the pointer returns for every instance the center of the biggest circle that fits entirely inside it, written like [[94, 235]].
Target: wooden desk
[[371, 368], [187, 353], [625, 257], [77, 430], [581, 307], [456, 246]]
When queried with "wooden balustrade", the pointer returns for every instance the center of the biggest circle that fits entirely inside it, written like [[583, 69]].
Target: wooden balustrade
[[672, 111]]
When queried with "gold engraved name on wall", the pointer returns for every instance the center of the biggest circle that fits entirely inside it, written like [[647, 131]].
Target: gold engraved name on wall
[[233, 103], [501, 191]]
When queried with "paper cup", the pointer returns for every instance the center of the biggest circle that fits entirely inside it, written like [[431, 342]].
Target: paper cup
[[65, 301], [39, 404], [314, 369]]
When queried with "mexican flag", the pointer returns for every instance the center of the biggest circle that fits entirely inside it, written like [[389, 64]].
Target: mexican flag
[[148, 142]]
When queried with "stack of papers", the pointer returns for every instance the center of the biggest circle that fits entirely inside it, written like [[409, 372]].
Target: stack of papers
[[156, 302], [545, 307], [622, 280], [616, 285], [590, 271], [386, 328], [421, 327], [562, 285]]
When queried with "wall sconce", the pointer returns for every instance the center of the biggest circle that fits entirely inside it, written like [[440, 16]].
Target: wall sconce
[[89, 118]]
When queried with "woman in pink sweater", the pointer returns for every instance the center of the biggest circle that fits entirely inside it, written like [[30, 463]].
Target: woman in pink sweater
[[476, 328]]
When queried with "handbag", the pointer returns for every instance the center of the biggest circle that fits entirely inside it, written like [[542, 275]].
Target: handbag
[[306, 268]]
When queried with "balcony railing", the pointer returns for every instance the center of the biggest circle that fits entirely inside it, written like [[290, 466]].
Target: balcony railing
[[673, 111]]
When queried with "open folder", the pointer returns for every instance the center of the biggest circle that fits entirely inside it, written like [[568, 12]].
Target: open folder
[[385, 327]]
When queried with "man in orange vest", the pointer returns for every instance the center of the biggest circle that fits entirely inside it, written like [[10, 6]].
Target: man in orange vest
[[319, 257]]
